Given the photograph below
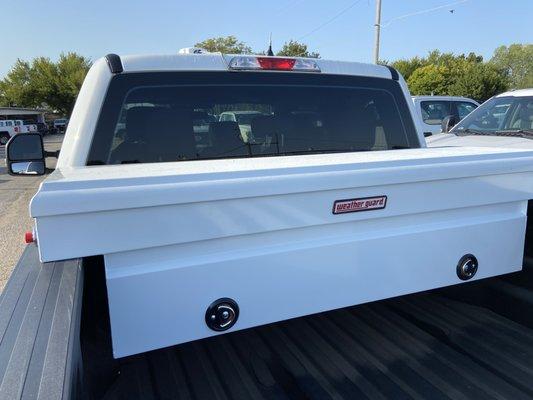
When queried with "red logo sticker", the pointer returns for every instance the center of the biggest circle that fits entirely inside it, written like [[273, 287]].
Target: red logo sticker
[[362, 204]]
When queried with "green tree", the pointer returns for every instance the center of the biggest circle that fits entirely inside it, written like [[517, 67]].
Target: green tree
[[293, 48], [44, 83], [478, 81], [71, 71], [430, 79], [407, 67], [517, 62], [16, 88], [454, 75], [227, 45], [435, 57]]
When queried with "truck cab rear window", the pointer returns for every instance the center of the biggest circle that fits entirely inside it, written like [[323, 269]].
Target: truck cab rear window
[[163, 117]]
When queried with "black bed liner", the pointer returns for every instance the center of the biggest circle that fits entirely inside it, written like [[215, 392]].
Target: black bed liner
[[40, 311], [425, 346]]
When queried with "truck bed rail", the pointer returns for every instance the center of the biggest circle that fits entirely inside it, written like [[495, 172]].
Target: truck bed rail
[[39, 329]]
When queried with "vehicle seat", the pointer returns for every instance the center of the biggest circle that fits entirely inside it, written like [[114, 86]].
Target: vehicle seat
[[302, 134], [156, 135], [266, 133], [356, 131], [172, 139], [526, 117], [226, 141], [132, 149]]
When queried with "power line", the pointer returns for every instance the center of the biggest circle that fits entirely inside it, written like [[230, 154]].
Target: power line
[[329, 21], [422, 12]]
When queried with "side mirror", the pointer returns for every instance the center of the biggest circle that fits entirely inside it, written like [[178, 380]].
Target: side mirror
[[25, 154], [448, 123]]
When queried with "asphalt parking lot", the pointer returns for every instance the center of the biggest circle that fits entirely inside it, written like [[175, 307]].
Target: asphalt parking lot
[[15, 196]]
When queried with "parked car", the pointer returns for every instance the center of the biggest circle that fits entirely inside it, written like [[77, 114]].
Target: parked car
[[431, 110], [60, 125], [505, 120], [25, 126], [8, 128], [42, 128], [159, 268]]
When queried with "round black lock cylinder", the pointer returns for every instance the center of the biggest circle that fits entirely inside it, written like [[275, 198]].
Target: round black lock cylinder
[[467, 267], [222, 314]]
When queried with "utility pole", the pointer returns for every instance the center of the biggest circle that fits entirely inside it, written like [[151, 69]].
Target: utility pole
[[377, 25]]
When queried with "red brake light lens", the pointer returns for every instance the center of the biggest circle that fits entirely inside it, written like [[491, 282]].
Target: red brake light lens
[[243, 63], [284, 64]]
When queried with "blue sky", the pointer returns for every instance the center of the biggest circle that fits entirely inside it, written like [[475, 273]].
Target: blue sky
[[96, 27]]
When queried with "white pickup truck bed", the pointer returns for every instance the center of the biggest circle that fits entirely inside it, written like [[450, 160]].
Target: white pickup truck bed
[[179, 234], [265, 235], [474, 341]]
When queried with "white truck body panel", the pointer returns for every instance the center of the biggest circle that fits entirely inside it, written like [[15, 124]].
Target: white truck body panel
[[7, 127], [23, 128], [82, 123], [177, 236], [450, 139], [14, 126], [262, 231], [84, 116]]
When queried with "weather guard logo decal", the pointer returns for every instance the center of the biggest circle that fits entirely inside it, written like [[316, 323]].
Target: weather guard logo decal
[[362, 204]]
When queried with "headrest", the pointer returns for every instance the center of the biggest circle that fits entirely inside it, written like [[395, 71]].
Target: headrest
[[526, 111], [225, 129], [526, 116], [172, 135], [169, 122], [227, 140], [138, 123], [265, 125]]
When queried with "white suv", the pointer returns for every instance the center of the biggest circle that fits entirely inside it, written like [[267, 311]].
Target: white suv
[[7, 130], [431, 110], [10, 127]]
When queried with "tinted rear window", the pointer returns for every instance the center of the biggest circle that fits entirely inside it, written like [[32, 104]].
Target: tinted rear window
[[168, 116]]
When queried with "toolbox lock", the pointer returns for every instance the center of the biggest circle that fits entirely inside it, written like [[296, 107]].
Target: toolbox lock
[[222, 314], [467, 267]]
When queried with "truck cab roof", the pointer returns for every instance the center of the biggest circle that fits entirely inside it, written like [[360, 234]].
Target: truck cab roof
[[219, 62], [104, 71]]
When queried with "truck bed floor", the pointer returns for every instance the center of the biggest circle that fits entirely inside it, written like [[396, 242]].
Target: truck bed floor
[[424, 346]]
